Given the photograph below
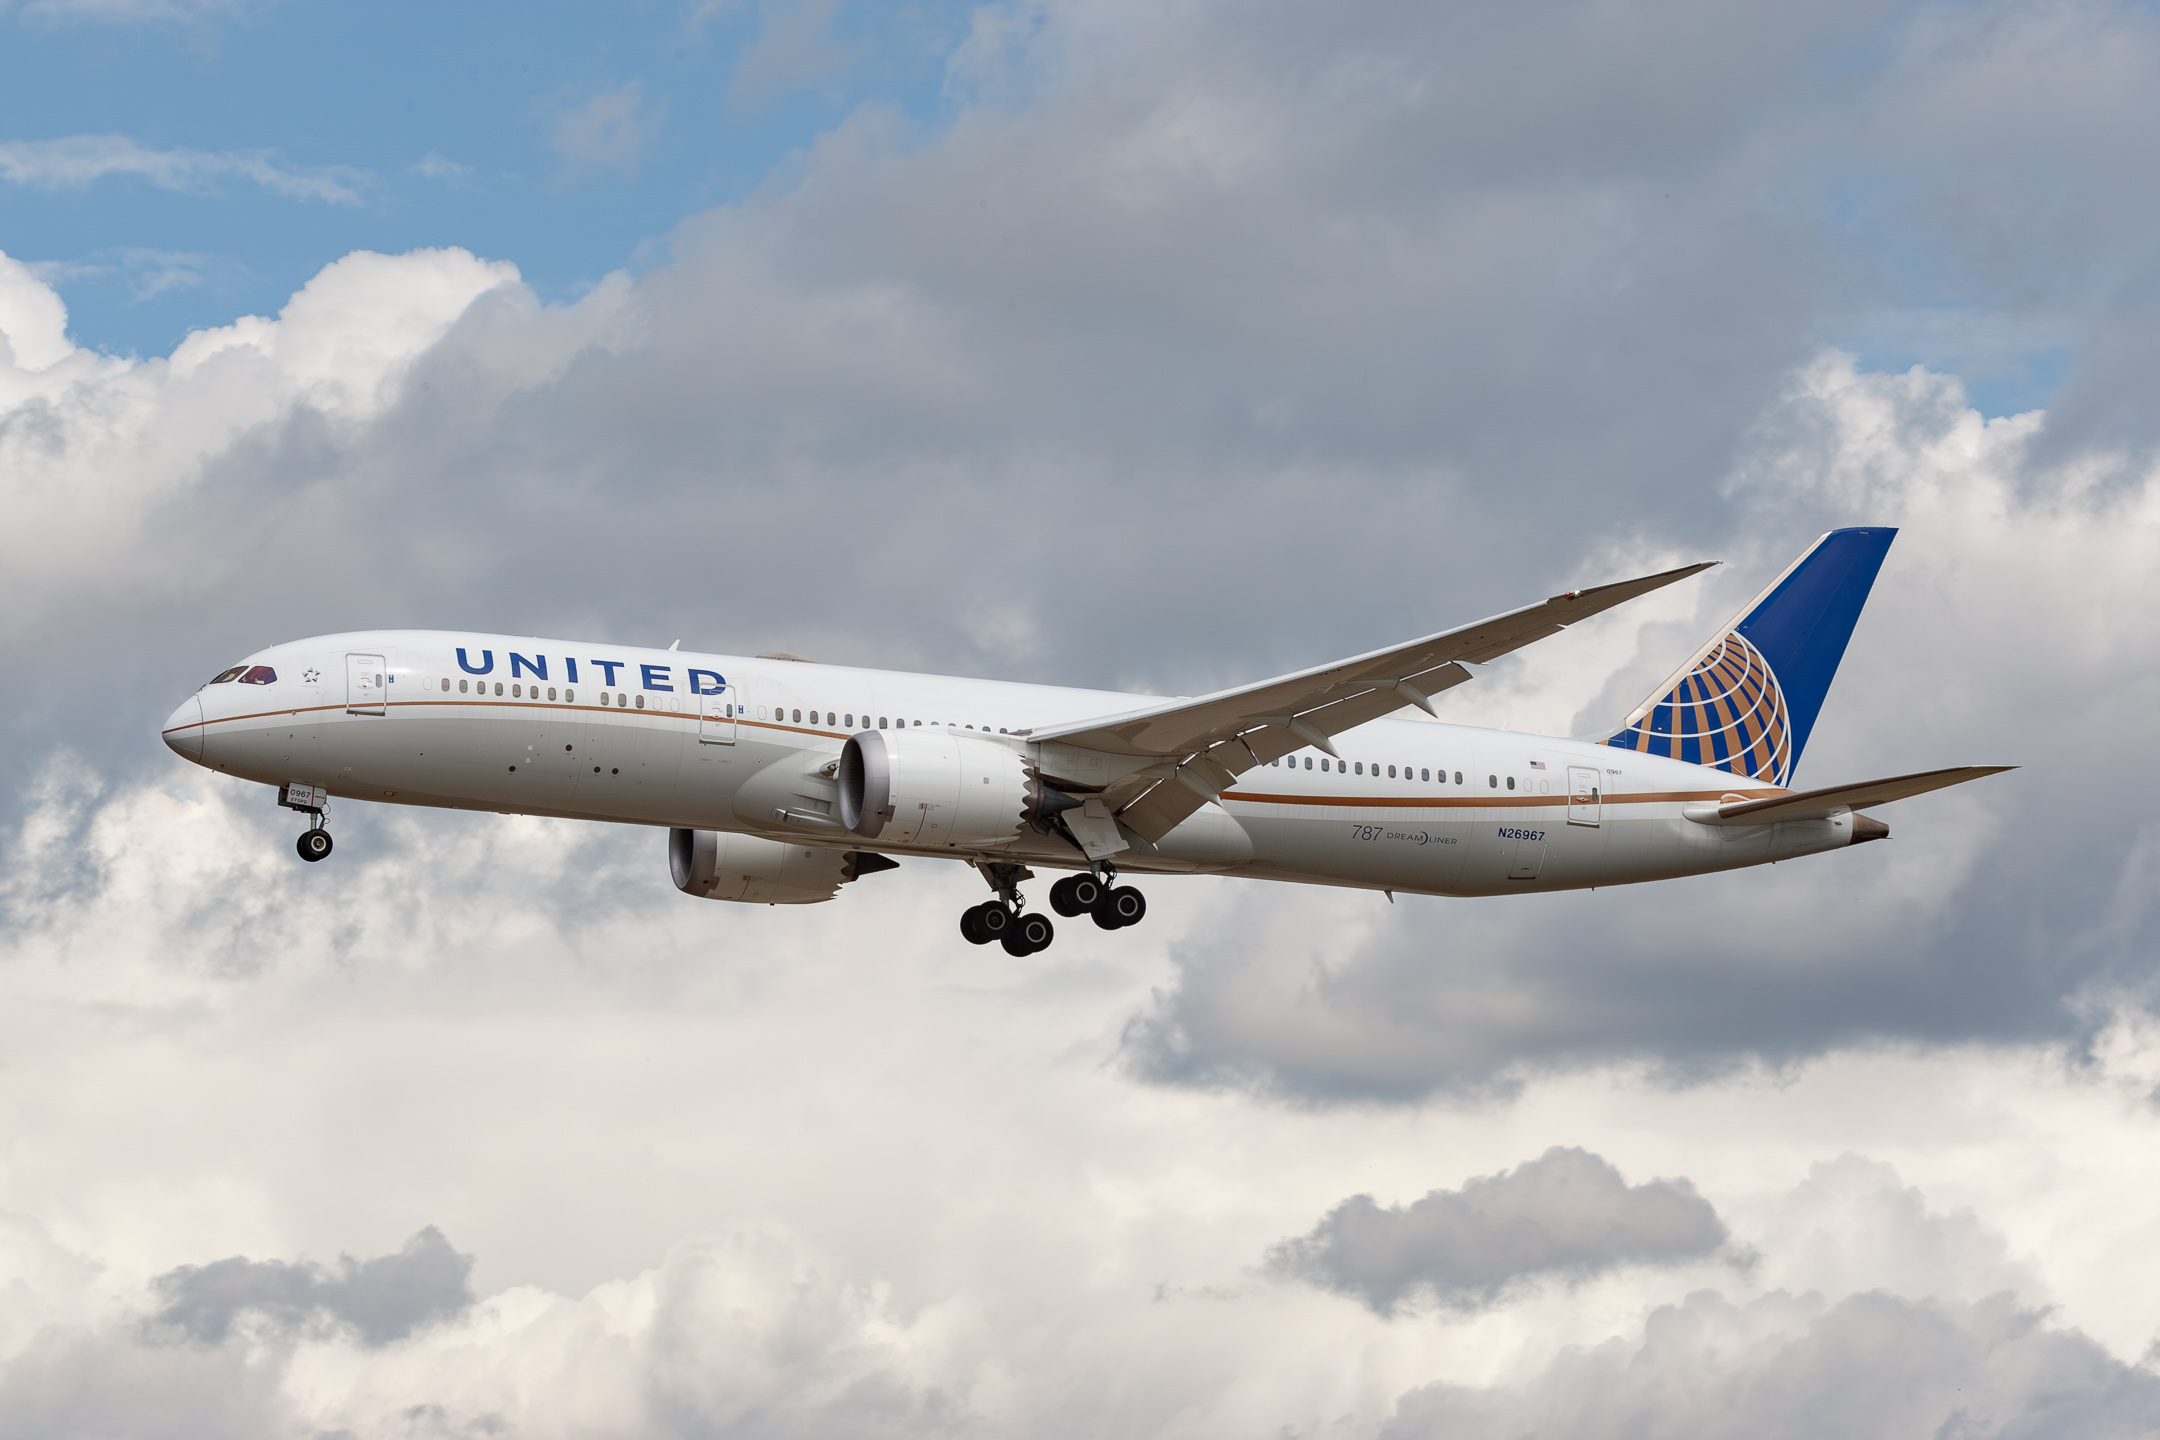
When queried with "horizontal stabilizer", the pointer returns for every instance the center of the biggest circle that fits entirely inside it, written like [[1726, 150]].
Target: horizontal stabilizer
[[1821, 804]]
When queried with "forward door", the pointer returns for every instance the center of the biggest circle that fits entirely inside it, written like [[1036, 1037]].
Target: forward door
[[366, 680]]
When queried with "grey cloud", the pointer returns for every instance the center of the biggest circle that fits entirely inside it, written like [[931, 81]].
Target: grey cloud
[[1785, 1366], [382, 1300], [1567, 1212]]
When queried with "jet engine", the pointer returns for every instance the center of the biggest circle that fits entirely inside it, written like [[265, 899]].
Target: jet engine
[[934, 786], [718, 865]]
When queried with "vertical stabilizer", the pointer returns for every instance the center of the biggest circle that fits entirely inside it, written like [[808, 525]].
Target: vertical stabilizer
[[1747, 701]]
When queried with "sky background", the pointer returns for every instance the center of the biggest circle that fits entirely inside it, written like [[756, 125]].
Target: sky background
[[1138, 345]]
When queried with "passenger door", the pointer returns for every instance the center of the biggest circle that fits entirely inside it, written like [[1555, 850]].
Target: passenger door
[[716, 717], [366, 679], [1583, 798]]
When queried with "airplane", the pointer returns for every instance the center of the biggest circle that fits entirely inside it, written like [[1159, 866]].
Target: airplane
[[779, 780]]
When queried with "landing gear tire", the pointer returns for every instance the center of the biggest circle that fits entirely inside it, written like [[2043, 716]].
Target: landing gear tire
[[986, 922], [1028, 934], [1119, 908], [313, 845], [1075, 895]]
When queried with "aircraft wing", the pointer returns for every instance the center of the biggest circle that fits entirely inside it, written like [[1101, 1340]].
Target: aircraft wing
[[1821, 804], [1204, 744]]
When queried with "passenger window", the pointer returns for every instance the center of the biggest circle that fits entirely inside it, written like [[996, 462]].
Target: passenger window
[[622, 700], [1308, 762], [569, 697], [460, 685], [850, 717], [498, 687], [517, 692], [798, 717], [1427, 775], [1391, 772], [1458, 777], [1493, 781], [641, 705], [829, 719], [1511, 782], [446, 682], [881, 722], [1323, 764], [1361, 767], [603, 697]]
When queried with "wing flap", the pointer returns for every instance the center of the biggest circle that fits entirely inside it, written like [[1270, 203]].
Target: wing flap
[[1821, 804]]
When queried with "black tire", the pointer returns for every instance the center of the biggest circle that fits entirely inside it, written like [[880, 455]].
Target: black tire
[[971, 927], [993, 920], [1075, 895], [313, 845], [1120, 907], [1029, 933]]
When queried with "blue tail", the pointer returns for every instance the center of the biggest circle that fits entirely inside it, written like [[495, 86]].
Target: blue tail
[[1747, 701]]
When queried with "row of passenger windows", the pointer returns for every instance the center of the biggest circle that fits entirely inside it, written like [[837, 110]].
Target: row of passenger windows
[[1409, 772], [834, 719], [831, 718]]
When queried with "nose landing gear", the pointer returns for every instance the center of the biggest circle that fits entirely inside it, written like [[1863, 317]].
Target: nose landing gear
[[314, 802]]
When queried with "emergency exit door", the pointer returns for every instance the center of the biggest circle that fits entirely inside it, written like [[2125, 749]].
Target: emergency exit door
[[366, 680]]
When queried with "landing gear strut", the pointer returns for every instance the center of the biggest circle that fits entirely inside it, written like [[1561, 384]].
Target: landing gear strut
[[312, 801], [1005, 919]]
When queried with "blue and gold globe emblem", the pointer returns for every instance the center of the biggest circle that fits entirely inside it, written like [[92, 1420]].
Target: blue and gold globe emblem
[[1728, 711]]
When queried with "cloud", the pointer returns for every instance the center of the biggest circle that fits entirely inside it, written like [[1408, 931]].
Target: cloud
[[1566, 1212], [52, 11], [437, 167], [1783, 1365], [608, 133], [147, 273], [383, 1299], [80, 161], [33, 321], [1253, 337]]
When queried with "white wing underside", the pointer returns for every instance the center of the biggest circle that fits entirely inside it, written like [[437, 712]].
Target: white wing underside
[[1202, 745]]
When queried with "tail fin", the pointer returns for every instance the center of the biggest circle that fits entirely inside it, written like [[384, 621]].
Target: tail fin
[[1747, 701]]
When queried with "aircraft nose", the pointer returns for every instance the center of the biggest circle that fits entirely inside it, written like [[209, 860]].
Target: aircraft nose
[[184, 729]]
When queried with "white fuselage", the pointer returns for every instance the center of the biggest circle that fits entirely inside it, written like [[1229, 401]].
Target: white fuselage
[[1413, 805]]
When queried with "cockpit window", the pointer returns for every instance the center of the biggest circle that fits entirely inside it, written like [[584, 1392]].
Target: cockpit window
[[224, 675], [259, 675]]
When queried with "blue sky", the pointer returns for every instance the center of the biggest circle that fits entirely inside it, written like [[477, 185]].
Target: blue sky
[[173, 173]]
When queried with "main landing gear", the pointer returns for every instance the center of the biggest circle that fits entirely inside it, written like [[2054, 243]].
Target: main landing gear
[[314, 844], [1007, 921]]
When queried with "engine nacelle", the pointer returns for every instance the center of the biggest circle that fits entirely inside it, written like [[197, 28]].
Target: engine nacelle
[[933, 786], [718, 865]]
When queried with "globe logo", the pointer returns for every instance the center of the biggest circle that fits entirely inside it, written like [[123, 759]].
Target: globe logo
[[1727, 712]]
